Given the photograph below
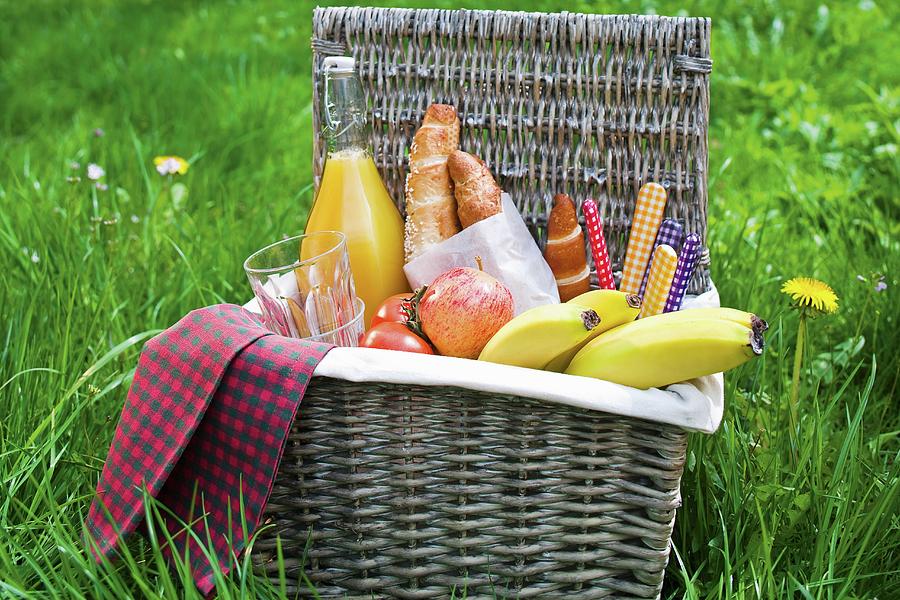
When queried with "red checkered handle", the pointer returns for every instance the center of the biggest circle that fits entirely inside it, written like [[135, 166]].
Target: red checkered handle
[[594, 224]]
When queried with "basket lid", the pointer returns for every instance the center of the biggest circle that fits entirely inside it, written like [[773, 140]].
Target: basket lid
[[590, 105]]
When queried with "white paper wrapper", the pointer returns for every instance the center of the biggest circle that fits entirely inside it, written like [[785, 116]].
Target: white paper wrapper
[[507, 252]]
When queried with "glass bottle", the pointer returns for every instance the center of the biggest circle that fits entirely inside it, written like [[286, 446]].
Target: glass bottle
[[352, 197]]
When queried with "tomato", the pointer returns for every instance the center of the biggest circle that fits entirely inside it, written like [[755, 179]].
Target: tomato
[[395, 336], [391, 310]]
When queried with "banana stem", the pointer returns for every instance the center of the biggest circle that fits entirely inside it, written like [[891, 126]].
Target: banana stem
[[798, 363]]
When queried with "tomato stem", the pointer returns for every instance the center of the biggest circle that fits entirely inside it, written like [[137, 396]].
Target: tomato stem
[[413, 321]]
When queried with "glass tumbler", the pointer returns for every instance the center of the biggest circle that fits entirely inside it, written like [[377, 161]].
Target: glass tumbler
[[307, 298], [348, 334]]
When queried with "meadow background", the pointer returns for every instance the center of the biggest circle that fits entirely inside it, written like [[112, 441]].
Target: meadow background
[[803, 181]]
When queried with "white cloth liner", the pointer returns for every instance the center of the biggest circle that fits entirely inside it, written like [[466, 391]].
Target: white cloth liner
[[696, 405], [507, 250]]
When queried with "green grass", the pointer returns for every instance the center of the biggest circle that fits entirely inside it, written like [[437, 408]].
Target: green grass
[[803, 181]]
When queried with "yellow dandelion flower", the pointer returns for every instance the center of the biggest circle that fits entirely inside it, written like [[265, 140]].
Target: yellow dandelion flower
[[807, 292], [171, 165]]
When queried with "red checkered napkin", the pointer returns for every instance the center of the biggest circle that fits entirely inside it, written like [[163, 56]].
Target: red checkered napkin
[[203, 429]]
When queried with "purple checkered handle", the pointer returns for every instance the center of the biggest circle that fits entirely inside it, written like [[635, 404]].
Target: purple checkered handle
[[670, 233], [687, 263]]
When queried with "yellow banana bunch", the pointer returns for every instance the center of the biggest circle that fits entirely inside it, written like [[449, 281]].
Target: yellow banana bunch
[[672, 347], [536, 336], [547, 337], [615, 308]]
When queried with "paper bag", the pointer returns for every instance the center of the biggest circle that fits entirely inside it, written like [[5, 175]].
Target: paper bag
[[507, 251]]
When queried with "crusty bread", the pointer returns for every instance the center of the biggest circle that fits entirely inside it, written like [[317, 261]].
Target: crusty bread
[[565, 251], [430, 205], [477, 194], [438, 135]]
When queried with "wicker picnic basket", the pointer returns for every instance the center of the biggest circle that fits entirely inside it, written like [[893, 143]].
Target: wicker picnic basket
[[415, 491]]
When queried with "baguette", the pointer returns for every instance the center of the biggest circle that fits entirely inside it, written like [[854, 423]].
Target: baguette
[[430, 205], [477, 194]]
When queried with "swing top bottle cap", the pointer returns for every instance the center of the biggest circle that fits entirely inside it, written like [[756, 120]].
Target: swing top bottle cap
[[339, 64]]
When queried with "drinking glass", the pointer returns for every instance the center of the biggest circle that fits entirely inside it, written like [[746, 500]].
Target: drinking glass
[[349, 333], [307, 298]]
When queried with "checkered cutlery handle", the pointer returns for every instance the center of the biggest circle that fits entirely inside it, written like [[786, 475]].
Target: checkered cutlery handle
[[670, 233], [648, 214], [594, 224], [660, 282], [687, 264]]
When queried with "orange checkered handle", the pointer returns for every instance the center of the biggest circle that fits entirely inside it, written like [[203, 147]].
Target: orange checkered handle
[[648, 214], [662, 271]]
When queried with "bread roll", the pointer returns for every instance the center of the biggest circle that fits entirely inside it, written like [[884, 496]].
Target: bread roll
[[430, 206], [565, 249], [477, 194]]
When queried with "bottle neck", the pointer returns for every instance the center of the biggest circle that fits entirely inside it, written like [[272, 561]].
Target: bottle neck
[[344, 113]]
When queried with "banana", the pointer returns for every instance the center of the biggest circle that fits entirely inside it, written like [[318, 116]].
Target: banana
[[607, 301], [668, 351], [745, 319], [729, 314], [538, 335], [615, 308]]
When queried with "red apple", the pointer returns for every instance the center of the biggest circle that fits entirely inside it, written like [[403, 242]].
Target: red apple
[[462, 309]]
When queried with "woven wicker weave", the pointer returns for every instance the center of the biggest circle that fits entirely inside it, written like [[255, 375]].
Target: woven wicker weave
[[412, 492]]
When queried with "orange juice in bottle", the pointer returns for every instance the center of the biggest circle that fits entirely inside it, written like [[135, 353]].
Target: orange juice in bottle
[[352, 197]]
